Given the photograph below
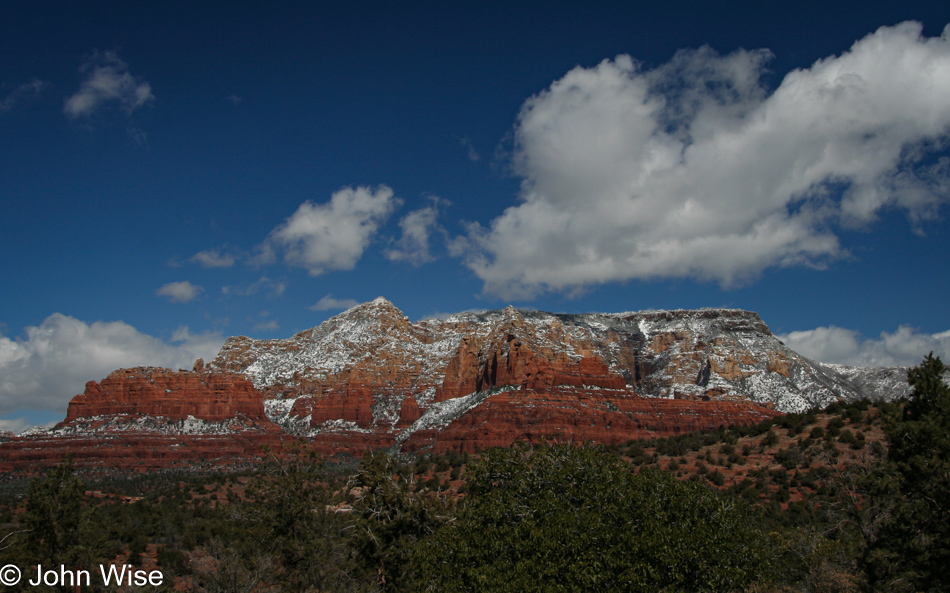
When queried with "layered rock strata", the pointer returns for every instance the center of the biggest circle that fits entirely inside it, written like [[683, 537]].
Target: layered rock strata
[[176, 395], [148, 418], [128, 449], [370, 378], [370, 368], [577, 415]]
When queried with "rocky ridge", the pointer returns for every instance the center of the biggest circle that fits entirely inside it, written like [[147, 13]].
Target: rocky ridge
[[147, 419], [371, 367], [156, 392], [369, 378]]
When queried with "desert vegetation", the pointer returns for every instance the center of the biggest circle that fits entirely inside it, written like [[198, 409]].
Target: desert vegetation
[[854, 497]]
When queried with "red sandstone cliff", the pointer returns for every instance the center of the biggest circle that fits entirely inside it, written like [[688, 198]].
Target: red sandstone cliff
[[147, 418], [579, 415], [370, 378], [207, 395], [374, 353]]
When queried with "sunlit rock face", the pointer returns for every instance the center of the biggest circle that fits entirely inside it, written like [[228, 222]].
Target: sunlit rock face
[[370, 369], [176, 395], [149, 419], [707, 354], [369, 378]]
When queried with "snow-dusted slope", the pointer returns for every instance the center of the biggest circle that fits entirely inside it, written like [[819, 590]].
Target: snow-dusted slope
[[368, 378], [707, 354]]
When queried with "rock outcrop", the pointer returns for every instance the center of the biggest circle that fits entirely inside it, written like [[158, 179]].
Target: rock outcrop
[[370, 370], [577, 415], [373, 353], [369, 378], [125, 447], [148, 418], [176, 395]]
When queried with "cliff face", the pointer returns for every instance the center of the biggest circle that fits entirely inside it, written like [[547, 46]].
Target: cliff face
[[370, 368], [573, 415], [370, 378], [210, 396], [146, 418]]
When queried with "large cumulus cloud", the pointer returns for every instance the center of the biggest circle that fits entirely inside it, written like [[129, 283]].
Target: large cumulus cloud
[[334, 235], [694, 170]]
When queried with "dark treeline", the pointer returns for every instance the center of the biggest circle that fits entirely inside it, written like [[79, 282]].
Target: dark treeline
[[852, 498]]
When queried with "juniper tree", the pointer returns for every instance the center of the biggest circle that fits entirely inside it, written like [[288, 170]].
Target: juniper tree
[[912, 550]]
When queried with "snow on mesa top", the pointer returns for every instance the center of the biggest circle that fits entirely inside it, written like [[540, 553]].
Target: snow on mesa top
[[708, 354]]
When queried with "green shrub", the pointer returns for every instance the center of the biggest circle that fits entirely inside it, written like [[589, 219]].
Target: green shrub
[[571, 518]]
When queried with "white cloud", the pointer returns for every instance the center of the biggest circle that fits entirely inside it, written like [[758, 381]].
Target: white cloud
[[267, 325], [107, 80], [470, 148], [24, 92], [904, 347], [179, 292], [138, 136], [331, 236], [264, 284], [57, 358], [204, 344], [417, 226], [15, 425], [213, 258], [328, 303], [693, 170]]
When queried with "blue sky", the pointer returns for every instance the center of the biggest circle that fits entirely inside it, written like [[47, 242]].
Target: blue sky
[[175, 173]]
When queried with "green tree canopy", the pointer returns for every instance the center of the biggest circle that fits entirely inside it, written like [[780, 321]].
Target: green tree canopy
[[569, 518], [55, 528], [394, 514], [912, 550], [54, 515], [285, 508]]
